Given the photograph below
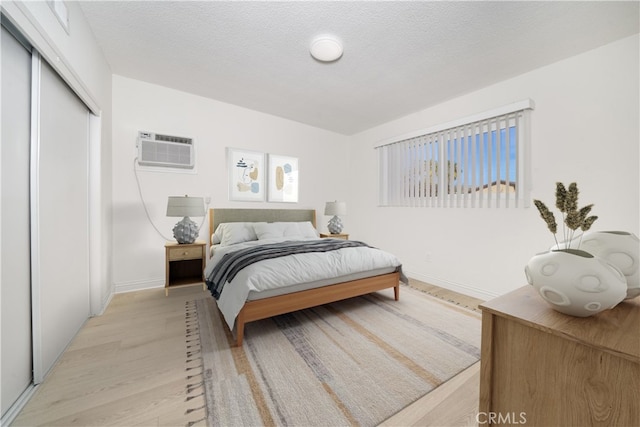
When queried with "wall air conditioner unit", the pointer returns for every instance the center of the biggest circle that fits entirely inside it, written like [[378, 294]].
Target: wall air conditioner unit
[[167, 151]]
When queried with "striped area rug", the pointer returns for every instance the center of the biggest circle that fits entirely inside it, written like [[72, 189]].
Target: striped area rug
[[354, 362]]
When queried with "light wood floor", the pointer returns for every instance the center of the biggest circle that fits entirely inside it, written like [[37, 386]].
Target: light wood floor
[[128, 368]]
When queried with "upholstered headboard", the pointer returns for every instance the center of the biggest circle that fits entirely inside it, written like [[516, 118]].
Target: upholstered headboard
[[220, 215]]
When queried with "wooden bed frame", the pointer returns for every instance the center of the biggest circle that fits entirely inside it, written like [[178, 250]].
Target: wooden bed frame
[[273, 306]]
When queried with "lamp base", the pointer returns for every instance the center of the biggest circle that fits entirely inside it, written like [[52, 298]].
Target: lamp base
[[335, 225], [185, 231]]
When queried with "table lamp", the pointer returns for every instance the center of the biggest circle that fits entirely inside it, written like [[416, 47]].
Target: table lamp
[[335, 208], [185, 231]]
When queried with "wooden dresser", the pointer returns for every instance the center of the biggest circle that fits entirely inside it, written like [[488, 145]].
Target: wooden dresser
[[544, 368]]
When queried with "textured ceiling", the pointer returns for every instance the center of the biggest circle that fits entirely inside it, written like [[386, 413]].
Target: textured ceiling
[[399, 57]]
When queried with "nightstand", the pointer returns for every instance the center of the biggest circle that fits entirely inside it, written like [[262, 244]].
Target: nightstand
[[184, 264], [344, 236]]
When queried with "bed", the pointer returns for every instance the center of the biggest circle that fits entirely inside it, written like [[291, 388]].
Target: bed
[[257, 291]]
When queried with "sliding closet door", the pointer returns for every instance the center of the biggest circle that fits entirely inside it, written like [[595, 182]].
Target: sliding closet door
[[15, 250], [62, 267]]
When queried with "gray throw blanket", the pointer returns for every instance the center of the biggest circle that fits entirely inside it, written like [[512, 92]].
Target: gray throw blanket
[[233, 262]]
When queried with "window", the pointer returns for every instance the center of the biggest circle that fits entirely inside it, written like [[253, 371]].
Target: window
[[479, 161]]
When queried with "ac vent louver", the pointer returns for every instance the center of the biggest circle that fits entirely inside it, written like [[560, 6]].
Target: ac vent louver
[[168, 151]]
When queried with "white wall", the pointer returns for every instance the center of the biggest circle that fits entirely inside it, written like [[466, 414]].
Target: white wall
[[138, 255], [585, 128]]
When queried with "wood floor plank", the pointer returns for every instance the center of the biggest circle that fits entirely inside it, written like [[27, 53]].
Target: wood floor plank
[[128, 368], [454, 403]]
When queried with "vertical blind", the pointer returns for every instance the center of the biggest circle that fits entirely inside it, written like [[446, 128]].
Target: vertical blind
[[474, 162]]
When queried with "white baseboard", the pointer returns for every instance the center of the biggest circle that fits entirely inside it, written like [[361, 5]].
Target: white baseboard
[[105, 303], [456, 287], [139, 285], [18, 405]]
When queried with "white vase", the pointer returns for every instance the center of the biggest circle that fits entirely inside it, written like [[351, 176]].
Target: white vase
[[620, 248], [575, 282]]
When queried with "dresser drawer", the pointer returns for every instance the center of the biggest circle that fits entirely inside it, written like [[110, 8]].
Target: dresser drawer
[[190, 252]]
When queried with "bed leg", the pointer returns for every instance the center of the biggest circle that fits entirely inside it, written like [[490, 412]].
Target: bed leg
[[239, 328], [239, 335], [396, 292]]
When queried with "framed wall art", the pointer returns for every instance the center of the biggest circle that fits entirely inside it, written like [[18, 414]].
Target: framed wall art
[[283, 179], [246, 175]]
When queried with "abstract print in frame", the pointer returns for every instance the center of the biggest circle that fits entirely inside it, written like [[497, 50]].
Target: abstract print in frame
[[246, 175], [283, 179]]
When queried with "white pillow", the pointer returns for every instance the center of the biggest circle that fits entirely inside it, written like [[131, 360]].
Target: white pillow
[[269, 230], [231, 233], [304, 230], [293, 230]]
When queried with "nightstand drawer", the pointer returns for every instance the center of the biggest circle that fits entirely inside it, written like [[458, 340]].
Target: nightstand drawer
[[343, 236], [191, 252]]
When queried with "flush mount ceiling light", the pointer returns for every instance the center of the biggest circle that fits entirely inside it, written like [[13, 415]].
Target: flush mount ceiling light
[[326, 48]]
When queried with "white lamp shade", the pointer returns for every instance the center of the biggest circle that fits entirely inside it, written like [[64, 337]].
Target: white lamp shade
[[185, 206], [335, 208]]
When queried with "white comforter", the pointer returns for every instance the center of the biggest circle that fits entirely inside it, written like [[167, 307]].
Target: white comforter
[[292, 270]]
